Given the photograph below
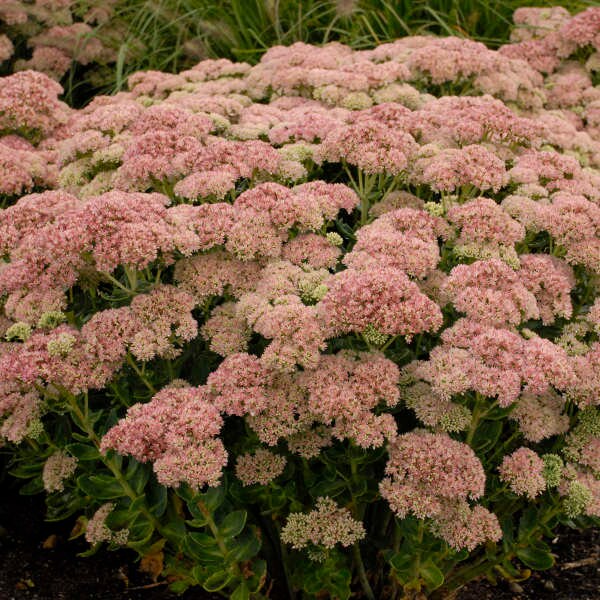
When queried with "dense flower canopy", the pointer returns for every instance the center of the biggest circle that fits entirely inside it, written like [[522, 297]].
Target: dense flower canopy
[[371, 249]]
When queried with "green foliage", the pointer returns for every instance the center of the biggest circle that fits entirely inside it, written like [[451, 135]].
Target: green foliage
[[170, 35], [227, 539]]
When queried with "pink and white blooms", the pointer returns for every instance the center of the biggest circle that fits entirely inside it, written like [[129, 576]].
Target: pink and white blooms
[[523, 471], [260, 467], [177, 430], [58, 468], [337, 284], [425, 469], [325, 526]]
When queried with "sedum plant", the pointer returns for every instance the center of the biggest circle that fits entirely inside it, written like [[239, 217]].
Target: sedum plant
[[72, 41], [324, 326]]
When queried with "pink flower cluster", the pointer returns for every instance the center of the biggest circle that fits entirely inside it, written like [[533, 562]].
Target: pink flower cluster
[[309, 225], [325, 526], [346, 389], [541, 415], [433, 476], [58, 468], [405, 239], [177, 430], [57, 32], [261, 467], [340, 394], [490, 291], [523, 472], [383, 298], [97, 531], [425, 469], [544, 37], [495, 362]]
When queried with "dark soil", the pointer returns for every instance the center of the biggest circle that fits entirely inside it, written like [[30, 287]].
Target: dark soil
[[29, 571], [576, 575]]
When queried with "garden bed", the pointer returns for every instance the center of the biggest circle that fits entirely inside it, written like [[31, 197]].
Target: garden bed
[[324, 326], [28, 571]]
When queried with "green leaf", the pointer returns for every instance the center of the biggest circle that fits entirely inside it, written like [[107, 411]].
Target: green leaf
[[137, 475], [203, 548], [27, 470], [199, 574], [213, 497], [328, 488], [508, 570], [157, 498], [244, 547], [83, 451], [101, 487], [497, 413], [90, 551], [275, 497], [359, 488], [179, 586], [431, 575], [140, 546], [233, 523], [401, 561], [508, 537], [196, 523], [487, 435], [535, 557], [259, 575], [33, 487], [217, 581], [528, 523], [174, 531], [345, 229], [63, 505], [410, 529], [311, 583], [241, 592], [137, 505], [141, 532], [339, 585]]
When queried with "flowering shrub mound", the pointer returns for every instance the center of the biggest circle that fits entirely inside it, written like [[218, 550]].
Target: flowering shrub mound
[[325, 324]]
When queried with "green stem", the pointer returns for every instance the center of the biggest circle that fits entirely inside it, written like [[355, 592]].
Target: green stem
[[363, 190], [170, 370], [503, 447], [474, 421], [33, 444], [217, 535], [131, 275], [358, 513], [389, 343], [362, 574], [139, 373], [213, 527], [396, 539], [285, 562], [116, 283], [117, 393], [461, 577], [418, 345], [478, 414], [108, 462]]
